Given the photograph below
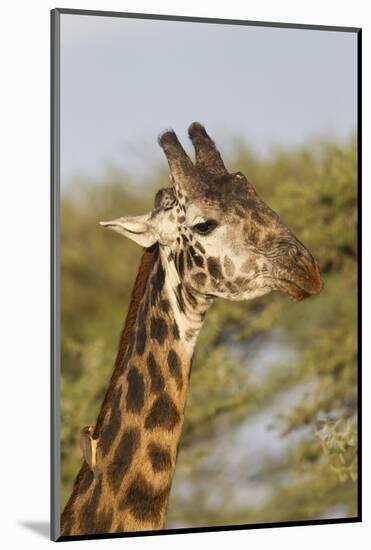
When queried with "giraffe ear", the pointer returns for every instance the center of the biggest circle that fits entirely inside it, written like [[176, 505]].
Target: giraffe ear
[[137, 228]]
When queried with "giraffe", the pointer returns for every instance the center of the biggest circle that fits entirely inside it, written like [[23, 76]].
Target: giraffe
[[209, 236]]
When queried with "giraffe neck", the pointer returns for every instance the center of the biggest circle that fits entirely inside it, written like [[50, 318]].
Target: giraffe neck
[[139, 431]]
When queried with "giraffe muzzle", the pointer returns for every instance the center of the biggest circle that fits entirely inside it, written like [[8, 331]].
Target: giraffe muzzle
[[303, 281]]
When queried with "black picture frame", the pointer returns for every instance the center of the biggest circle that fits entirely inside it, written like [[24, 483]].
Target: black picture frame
[[55, 267]]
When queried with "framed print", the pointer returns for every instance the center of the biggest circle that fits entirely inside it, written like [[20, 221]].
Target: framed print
[[205, 269]]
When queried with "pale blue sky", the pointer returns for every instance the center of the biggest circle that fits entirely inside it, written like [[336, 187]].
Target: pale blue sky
[[123, 81]]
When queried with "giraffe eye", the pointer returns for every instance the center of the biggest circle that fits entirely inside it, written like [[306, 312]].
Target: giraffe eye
[[204, 228]]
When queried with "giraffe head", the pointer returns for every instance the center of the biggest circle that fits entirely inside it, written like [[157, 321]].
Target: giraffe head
[[221, 236]]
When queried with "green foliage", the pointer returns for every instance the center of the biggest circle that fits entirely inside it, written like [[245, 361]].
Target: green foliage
[[340, 446], [292, 419]]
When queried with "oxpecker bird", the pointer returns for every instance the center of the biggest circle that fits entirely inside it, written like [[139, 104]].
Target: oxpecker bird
[[88, 447]]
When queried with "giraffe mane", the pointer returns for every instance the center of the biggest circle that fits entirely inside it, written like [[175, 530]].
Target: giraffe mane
[[149, 255]]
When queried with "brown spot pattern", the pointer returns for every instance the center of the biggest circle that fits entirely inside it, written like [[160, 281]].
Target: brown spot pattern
[[159, 329], [189, 260], [141, 339], [110, 431], [160, 458], [88, 523], [135, 395], [86, 481], [179, 297], [163, 414], [214, 267], [174, 367], [198, 260], [157, 380], [199, 278], [181, 263], [157, 281], [165, 305], [123, 457], [104, 521], [143, 501]]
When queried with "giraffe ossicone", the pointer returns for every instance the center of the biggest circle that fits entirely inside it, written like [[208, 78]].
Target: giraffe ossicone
[[209, 236]]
